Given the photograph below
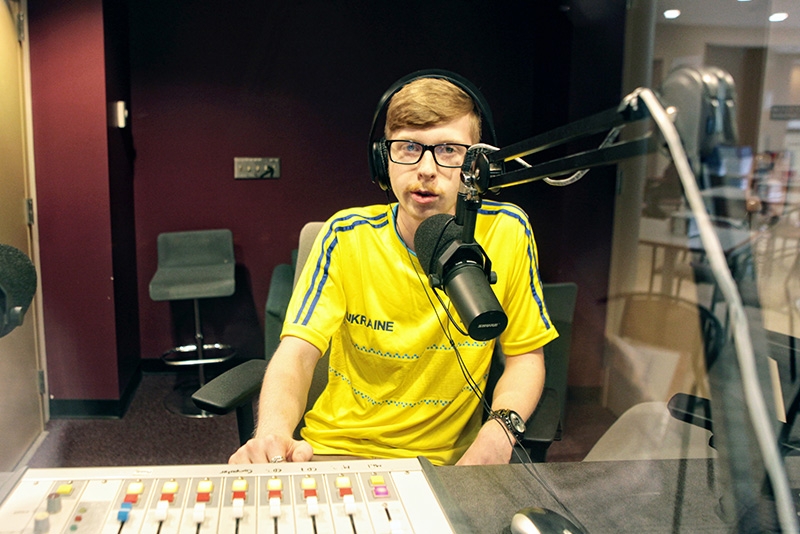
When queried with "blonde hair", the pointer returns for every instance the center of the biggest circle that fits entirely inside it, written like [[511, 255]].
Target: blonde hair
[[426, 102]]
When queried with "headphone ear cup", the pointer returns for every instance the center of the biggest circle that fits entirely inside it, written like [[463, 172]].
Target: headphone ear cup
[[380, 164]]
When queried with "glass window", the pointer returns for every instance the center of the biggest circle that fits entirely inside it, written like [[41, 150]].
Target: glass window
[[674, 337]]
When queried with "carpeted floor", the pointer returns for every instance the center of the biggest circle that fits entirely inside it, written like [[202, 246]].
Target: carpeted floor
[[149, 434]]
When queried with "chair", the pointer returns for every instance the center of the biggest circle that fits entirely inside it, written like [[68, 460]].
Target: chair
[[547, 422], [191, 266], [655, 424], [280, 291], [235, 389]]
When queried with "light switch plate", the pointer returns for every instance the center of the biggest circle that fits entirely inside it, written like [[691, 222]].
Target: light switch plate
[[256, 168]]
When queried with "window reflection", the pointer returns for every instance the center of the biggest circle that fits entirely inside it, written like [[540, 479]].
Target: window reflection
[[669, 332]]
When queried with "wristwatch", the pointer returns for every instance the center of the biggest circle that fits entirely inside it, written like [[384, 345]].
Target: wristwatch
[[514, 423]]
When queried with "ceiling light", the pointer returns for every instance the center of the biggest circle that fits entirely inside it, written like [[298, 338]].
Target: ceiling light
[[778, 17], [672, 14]]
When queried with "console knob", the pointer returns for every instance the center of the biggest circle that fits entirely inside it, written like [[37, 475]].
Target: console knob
[[54, 503], [41, 523]]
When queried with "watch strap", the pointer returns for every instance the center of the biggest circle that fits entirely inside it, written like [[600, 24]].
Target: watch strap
[[504, 415]]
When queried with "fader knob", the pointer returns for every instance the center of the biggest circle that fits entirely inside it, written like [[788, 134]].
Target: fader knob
[[41, 523], [54, 503]]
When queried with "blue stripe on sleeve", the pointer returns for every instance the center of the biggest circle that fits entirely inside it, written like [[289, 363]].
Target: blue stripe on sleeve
[[322, 267]]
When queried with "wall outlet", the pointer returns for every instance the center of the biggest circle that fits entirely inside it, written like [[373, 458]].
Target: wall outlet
[[256, 168]]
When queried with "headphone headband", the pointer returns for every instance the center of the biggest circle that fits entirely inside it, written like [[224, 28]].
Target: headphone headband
[[378, 159]]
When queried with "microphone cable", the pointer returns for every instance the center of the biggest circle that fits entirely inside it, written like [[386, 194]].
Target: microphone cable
[[474, 387], [518, 451]]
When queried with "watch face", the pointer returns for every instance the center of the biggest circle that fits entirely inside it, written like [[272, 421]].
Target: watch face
[[517, 422]]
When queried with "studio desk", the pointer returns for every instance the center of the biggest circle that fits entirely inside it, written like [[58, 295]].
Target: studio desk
[[606, 497]]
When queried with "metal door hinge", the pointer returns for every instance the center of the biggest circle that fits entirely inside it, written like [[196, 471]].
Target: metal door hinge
[[42, 389], [20, 27], [29, 211]]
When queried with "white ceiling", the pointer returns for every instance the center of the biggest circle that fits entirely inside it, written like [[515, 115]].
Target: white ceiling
[[731, 13]]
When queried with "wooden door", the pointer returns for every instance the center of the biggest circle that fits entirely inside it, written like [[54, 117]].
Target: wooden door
[[21, 415]]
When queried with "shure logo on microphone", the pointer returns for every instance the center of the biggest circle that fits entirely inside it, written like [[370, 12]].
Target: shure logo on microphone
[[491, 325]]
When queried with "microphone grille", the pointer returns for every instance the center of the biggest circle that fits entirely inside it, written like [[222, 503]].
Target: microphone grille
[[433, 236]]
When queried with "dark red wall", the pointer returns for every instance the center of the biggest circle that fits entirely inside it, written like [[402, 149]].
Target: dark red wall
[[73, 202]]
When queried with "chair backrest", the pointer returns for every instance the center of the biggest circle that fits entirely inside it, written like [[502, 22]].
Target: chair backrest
[[281, 284], [560, 299], [194, 264], [195, 248], [320, 379], [307, 236]]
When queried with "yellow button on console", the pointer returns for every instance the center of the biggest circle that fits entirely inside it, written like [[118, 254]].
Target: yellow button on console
[[64, 489]]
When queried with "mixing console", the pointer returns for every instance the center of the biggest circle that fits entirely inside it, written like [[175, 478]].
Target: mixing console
[[359, 497]]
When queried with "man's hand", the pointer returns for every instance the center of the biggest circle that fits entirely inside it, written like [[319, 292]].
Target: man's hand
[[270, 448], [493, 445], [283, 397], [518, 388]]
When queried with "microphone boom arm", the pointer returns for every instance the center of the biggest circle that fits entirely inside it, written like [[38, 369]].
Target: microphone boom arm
[[630, 111], [577, 162]]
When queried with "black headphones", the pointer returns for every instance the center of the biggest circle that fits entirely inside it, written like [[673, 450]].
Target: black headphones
[[379, 159]]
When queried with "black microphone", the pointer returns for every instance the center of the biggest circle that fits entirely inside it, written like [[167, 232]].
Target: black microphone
[[464, 272], [17, 286]]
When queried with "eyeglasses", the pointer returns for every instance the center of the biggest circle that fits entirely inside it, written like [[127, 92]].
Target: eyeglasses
[[449, 155]]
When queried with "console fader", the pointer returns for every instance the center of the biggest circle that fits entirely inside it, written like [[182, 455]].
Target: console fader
[[359, 497]]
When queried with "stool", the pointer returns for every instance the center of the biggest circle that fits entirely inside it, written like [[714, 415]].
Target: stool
[[191, 266]]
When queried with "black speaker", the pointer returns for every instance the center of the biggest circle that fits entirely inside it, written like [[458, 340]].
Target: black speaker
[[17, 285], [379, 159]]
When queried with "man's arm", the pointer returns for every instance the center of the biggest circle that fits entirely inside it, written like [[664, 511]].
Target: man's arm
[[519, 389], [281, 405]]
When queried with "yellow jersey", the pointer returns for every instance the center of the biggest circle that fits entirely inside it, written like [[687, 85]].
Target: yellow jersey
[[395, 387]]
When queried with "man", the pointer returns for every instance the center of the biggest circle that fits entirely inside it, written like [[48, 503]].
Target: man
[[395, 387]]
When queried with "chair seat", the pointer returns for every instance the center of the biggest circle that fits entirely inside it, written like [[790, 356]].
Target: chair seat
[[193, 282]]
